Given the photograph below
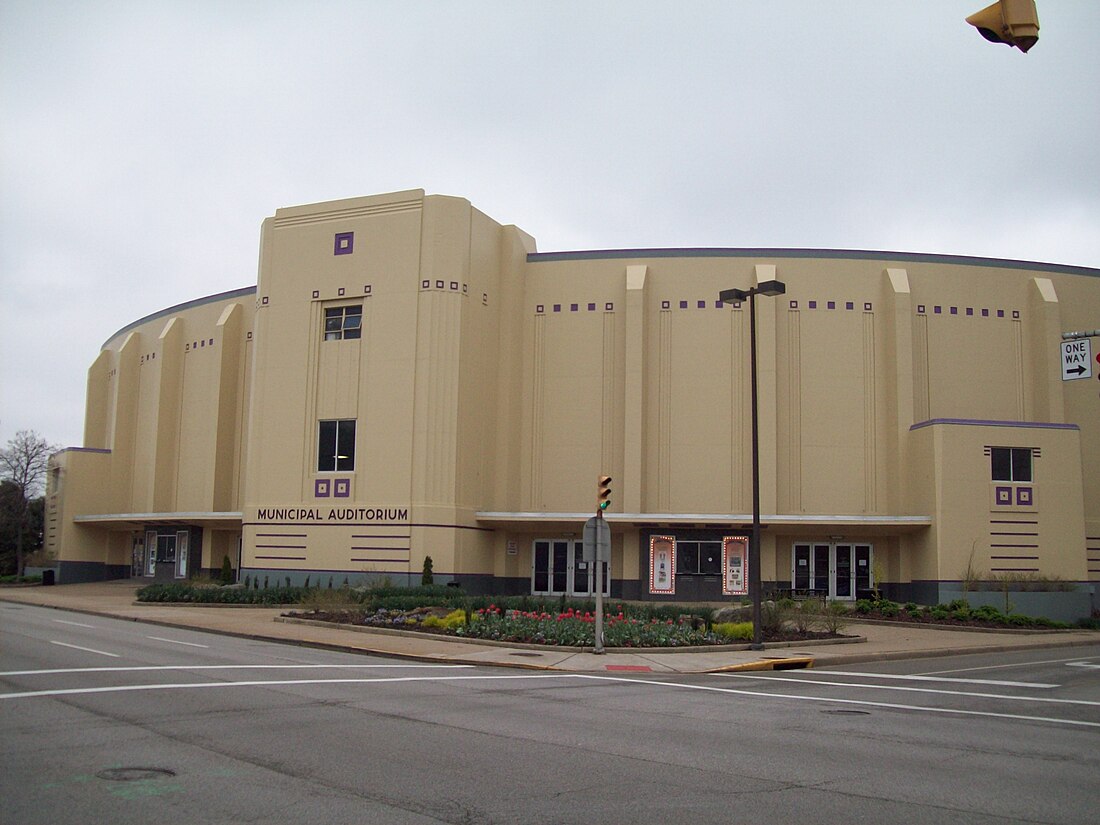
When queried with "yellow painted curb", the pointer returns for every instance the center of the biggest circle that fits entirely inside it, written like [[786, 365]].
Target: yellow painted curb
[[792, 663]]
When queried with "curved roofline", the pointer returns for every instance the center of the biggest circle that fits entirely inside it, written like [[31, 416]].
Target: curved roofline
[[834, 254], [172, 310]]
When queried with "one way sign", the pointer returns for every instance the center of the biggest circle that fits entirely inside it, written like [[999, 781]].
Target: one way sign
[[1076, 359]]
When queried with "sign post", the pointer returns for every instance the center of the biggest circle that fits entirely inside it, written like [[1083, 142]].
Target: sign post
[[596, 547]]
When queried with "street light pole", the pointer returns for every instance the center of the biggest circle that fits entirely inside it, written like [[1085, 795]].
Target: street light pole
[[730, 296]]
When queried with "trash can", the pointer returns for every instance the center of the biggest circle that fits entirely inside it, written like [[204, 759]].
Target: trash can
[[47, 577]]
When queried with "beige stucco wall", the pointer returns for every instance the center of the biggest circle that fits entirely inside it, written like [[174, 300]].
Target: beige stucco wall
[[491, 383]]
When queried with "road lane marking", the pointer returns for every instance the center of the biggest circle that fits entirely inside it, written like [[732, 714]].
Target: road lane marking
[[929, 679], [74, 624], [176, 641], [219, 667], [30, 694], [912, 689], [550, 676], [859, 702], [1013, 664], [87, 649], [1093, 665]]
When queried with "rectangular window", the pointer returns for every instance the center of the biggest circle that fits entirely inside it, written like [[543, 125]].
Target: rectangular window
[[336, 446], [698, 558], [1010, 463], [343, 322]]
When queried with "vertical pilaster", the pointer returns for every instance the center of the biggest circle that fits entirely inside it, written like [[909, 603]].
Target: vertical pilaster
[[169, 405], [767, 344], [901, 399], [634, 401], [1045, 348]]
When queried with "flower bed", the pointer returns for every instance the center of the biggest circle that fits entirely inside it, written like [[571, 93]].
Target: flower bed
[[569, 628]]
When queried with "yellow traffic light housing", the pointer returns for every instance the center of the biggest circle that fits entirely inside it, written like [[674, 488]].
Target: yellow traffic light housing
[[603, 496], [1012, 22]]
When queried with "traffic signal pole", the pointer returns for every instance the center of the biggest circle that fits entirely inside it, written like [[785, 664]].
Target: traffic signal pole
[[598, 648]]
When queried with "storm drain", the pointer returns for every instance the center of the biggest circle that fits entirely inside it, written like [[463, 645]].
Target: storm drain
[[848, 712], [529, 655], [134, 774]]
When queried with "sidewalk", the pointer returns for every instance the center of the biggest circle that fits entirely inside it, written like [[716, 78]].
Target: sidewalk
[[881, 641]]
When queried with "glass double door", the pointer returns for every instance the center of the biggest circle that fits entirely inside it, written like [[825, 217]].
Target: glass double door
[[835, 571], [558, 567], [166, 549]]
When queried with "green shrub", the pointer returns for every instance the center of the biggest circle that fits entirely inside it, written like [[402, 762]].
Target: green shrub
[[864, 606], [427, 575], [987, 613], [835, 616], [733, 631], [939, 612], [887, 608], [963, 614], [227, 571]]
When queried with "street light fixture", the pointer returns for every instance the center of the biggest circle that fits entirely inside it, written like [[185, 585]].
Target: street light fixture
[[729, 296]]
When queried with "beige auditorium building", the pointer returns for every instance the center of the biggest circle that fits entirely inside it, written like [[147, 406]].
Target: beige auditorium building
[[410, 378]]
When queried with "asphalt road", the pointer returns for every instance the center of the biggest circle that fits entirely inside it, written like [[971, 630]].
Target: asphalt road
[[103, 720]]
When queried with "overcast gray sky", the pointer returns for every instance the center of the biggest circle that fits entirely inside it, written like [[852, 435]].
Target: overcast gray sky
[[142, 143]]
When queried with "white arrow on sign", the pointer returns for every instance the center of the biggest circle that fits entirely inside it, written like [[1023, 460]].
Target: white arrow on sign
[[1076, 359]]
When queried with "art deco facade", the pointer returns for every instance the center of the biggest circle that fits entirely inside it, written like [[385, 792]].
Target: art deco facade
[[410, 378]]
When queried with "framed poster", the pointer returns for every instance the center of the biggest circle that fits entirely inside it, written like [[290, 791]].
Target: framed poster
[[662, 564], [735, 558]]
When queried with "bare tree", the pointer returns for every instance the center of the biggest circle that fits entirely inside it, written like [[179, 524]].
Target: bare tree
[[23, 462]]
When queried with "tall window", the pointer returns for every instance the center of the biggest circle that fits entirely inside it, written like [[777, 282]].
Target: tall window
[[343, 322], [1010, 463], [336, 446]]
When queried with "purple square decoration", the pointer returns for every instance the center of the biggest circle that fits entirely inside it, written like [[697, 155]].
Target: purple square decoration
[[1023, 496], [342, 488], [321, 488], [343, 243], [813, 304], [1004, 495]]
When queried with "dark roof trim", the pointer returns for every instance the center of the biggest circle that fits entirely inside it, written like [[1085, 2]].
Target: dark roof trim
[[198, 302], [831, 254]]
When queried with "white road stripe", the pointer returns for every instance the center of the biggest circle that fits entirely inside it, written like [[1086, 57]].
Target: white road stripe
[[913, 689], [928, 678], [86, 649], [175, 641], [75, 624], [862, 703], [219, 667], [1093, 665], [279, 683], [1001, 667]]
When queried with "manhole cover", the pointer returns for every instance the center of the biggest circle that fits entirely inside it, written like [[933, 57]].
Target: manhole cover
[[134, 774], [848, 712]]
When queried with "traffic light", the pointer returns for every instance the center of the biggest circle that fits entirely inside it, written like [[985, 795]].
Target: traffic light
[[1012, 22], [603, 497]]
